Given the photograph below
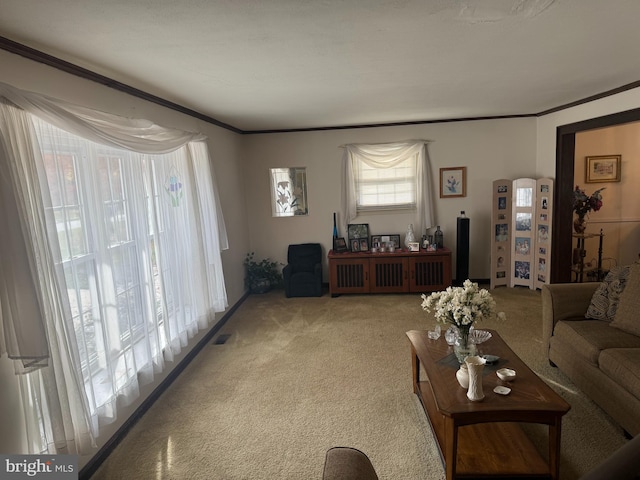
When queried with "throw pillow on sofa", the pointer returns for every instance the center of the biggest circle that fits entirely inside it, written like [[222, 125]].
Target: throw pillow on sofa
[[604, 302], [627, 318]]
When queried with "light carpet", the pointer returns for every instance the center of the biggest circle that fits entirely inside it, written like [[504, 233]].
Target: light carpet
[[298, 376]]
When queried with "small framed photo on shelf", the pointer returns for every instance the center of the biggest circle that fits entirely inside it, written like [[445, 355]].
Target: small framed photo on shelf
[[340, 245], [453, 182], [603, 168], [387, 241], [414, 246]]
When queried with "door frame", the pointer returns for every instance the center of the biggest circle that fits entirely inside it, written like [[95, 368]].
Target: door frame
[[561, 239]]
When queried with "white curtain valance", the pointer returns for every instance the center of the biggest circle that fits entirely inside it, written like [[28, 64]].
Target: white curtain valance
[[133, 134], [388, 155]]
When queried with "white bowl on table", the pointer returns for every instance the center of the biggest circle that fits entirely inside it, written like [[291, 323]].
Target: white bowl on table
[[506, 374]]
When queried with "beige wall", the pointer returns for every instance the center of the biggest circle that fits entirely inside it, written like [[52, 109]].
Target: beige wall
[[619, 217], [225, 150], [490, 149]]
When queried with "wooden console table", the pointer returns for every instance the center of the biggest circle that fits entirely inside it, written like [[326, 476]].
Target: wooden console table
[[396, 272]]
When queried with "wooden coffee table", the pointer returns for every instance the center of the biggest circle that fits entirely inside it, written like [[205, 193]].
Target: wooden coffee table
[[485, 439]]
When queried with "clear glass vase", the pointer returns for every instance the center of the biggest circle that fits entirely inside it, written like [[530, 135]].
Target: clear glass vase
[[579, 224], [463, 346]]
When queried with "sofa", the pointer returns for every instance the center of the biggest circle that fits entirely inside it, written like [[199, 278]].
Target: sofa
[[592, 333]]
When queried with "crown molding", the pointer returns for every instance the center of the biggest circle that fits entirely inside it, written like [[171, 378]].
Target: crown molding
[[44, 58]]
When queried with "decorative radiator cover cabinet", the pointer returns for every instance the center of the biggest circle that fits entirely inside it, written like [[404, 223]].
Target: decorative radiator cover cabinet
[[398, 272]]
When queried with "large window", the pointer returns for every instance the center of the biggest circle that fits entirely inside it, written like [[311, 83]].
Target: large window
[[123, 222], [111, 259]]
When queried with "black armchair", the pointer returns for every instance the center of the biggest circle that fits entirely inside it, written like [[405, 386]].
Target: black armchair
[[303, 273]]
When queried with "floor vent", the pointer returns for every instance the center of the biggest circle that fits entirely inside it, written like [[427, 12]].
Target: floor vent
[[222, 339]]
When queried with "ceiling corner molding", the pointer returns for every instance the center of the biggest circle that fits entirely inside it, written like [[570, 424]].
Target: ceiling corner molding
[[46, 59], [608, 93], [380, 125]]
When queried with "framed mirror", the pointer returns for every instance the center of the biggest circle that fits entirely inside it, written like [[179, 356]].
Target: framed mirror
[[288, 192]]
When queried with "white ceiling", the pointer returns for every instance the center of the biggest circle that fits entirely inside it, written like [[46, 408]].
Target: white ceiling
[[289, 64]]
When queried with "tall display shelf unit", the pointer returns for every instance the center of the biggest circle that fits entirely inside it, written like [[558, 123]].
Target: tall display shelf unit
[[544, 213], [523, 216], [521, 231], [501, 233]]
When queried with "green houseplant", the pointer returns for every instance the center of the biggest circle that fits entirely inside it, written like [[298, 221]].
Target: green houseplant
[[261, 276]]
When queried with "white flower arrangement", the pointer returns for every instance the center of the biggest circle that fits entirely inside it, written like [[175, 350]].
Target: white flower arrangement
[[461, 306]]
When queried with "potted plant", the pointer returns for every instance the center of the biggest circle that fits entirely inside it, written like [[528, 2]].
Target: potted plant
[[261, 276]]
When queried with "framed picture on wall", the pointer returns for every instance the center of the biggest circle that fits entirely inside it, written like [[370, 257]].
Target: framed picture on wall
[[288, 192], [453, 182], [603, 168]]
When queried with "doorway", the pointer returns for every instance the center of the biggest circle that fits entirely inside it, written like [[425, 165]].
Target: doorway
[[565, 158]]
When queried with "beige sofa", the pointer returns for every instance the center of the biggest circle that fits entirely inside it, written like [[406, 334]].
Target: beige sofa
[[601, 357]]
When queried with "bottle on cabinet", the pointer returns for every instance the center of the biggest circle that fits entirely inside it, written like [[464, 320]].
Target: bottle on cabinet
[[438, 237]]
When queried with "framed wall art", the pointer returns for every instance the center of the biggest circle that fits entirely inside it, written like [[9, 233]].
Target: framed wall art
[[453, 182], [288, 192], [603, 168]]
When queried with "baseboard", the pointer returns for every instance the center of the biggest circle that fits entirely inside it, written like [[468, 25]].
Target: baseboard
[[92, 465]]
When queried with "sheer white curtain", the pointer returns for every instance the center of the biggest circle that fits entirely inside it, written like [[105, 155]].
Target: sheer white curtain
[[388, 155], [54, 402], [130, 240]]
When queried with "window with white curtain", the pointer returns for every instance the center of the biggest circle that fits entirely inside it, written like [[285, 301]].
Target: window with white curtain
[[390, 188], [112, 261], [123, 223], [387, 176]]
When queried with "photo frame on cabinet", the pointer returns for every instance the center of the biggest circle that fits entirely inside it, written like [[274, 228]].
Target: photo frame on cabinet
[[340, 245], [603, 168], [357, 230], [355, 233], [453, 182], [387, 241]]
